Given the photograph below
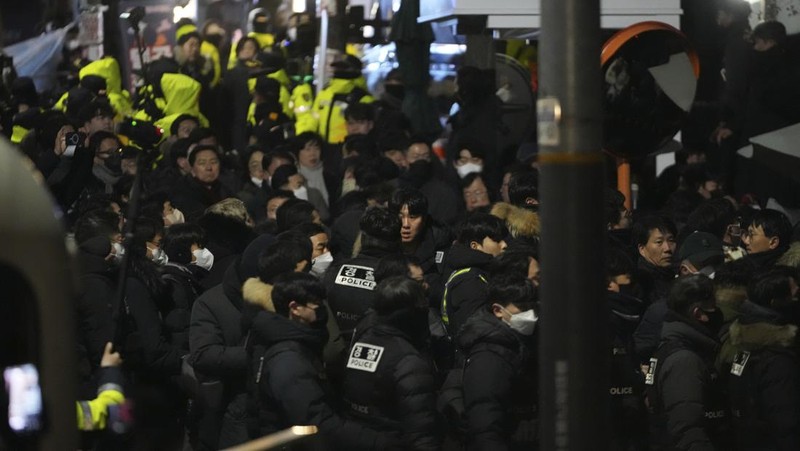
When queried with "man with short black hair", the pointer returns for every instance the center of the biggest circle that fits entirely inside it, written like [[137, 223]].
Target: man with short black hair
[[286, 357], [421, 237], [500, 376], [350, 284], [654, 238], [466, 266], [767, 237], [388, 381]]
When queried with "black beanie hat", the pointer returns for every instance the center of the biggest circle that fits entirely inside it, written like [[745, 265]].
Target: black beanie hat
[[185, 37], [94, 83], [24, 91]]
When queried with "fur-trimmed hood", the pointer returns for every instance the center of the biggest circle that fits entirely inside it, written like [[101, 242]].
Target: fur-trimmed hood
[[258, 293], [522, 223], [730, 300], [792, 256], [755, 336]]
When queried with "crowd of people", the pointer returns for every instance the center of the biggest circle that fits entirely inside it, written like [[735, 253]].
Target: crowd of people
[[353, 276]]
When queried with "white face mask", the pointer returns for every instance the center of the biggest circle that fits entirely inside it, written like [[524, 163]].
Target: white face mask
[[523, 322], [119, 251], [321, 264], [203, 258], [176, 217], [159, 256], [291, 33], [301, 193], [468, 168], [257, 181]]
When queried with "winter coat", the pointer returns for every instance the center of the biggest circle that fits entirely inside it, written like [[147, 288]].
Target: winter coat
[[430, 252], [764, 382], [628, 414], [327, 114], [523, 224], [220, 361], [690, 407], [772, 91], [766, 259], [255, 200], [647, 336], [466, 289], [156, 356], [350, 288], [288, 382], [184, 290], [388, 381], [94, 312], [792, 256], [654, 280], [192, 197], [500, 385]]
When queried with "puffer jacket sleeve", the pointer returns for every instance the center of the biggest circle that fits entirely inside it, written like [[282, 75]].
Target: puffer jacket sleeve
[[295, 383], [487, 393], [158, 355], [210, 355], [648, 333], [416, 403], [681, 386]]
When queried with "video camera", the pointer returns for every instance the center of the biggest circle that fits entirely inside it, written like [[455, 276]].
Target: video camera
[[145, 134]]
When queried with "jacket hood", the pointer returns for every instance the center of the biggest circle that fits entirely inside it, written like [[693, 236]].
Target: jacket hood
[[485, 328], [258, 293], [107, 68], [342, 85], [762, 335], [272, 328], [521, 223], [281, 77], [462, 256], [730, 300], [677, 328], [792, 256], [182, 94]]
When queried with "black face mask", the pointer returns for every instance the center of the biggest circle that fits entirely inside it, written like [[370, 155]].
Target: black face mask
[[215, 39], [715, 320], [397, 91], [322, 317]]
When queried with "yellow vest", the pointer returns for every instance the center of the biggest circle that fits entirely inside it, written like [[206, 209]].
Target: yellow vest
[[327, 114]]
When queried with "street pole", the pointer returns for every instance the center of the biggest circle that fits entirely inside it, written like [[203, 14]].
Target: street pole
[[574, 351]]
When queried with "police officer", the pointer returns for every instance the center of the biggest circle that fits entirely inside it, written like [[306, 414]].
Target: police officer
[[350, 285], [690, 409], [388, 381]]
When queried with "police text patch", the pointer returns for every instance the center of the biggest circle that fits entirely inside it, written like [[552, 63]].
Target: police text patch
[[365, 357], [356, 276]]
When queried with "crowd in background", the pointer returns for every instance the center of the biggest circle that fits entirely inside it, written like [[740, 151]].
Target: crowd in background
[[302, 260]]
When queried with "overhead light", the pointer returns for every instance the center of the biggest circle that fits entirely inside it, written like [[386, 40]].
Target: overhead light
[[298, 6], [188, 10]]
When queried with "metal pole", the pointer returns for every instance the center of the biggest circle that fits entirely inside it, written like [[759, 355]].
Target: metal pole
[[574, 351]]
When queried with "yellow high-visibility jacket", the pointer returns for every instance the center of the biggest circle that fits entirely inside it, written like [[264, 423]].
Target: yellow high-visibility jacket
[[327, 114]]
